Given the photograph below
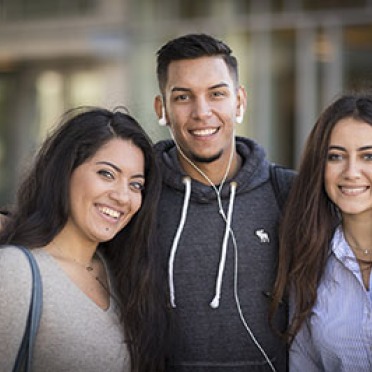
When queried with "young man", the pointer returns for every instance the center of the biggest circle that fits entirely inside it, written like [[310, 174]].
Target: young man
[[218, 215]]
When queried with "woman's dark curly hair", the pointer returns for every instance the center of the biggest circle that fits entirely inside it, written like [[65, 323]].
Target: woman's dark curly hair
[[42, 210]]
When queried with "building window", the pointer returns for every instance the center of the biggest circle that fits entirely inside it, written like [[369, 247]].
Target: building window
[[332, 4], [39, 9]]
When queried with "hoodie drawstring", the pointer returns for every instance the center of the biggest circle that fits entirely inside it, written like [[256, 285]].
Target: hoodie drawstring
[[216, 300], [215, 303], [176, 239]]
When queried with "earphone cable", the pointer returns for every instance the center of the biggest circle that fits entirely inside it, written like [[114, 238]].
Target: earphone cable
[[222, 213]]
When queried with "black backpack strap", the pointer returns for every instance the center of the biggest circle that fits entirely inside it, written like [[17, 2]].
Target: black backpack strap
[[281, 181], [23, 361]]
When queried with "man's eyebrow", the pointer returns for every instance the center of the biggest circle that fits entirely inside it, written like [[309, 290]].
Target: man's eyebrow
[[216, 86], [180, 89], [220, 85]]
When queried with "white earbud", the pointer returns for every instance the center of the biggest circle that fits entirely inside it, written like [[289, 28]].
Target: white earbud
[[239, 118], [163, 119]]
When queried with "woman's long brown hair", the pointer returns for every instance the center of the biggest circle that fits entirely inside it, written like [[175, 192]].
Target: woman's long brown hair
[[310, 218]]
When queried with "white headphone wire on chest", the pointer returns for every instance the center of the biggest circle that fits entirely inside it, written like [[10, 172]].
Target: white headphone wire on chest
[[222, 213]]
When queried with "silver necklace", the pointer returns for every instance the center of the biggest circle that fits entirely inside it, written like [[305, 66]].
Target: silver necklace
[[88, 267], [364, 250]]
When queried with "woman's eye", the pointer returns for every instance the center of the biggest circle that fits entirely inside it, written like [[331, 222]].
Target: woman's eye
[[137, 186], [367, 156], [334, 157], [106, 174]]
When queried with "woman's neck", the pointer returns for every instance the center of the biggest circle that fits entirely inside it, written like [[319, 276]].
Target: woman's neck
[[71, 245], [358, 234]]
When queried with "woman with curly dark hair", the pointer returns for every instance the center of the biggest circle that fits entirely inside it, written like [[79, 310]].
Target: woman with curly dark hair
[[87, 212]]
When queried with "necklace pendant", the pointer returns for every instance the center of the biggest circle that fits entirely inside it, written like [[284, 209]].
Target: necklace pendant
[[366, 251]]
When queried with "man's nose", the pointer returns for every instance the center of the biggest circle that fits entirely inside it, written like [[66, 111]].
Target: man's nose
[[202, 109]]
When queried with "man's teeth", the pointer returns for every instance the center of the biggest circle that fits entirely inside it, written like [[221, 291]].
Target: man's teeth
[[110, 212], [204, 132]]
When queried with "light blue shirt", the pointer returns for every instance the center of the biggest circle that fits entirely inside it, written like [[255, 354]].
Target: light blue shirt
[[340, 337]]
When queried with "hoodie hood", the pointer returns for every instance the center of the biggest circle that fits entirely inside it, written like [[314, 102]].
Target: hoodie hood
[[254, 170]]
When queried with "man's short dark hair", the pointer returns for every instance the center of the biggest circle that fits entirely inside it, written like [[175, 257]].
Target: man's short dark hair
[[193, 46]]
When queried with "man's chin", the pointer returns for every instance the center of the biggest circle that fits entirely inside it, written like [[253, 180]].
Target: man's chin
[[205, 159]]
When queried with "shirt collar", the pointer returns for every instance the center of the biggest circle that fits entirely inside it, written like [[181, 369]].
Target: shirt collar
[[341, 249]]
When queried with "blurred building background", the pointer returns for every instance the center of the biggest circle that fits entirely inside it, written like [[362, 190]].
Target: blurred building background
[[295, 57]]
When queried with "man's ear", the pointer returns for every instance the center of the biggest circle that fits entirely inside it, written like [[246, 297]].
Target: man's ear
[[241, 104], [241, 99], [160, 110]]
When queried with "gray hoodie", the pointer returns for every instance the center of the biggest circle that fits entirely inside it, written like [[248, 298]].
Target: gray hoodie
[[230, 259]]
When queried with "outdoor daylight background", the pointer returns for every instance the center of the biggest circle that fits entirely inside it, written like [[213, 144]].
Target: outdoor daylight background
[[295, 57]]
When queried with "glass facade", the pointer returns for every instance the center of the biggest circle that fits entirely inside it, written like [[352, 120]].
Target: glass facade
[[45, 9], [294, 57]]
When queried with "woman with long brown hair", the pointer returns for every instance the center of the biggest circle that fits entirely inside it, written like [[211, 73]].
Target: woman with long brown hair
[[326, 244]]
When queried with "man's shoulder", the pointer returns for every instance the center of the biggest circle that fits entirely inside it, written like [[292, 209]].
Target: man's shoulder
[[163, 145], [282, 173], [281, 179]]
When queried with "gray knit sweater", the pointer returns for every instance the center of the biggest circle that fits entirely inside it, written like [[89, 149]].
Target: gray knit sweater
[[215, 339], [74, 335]]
